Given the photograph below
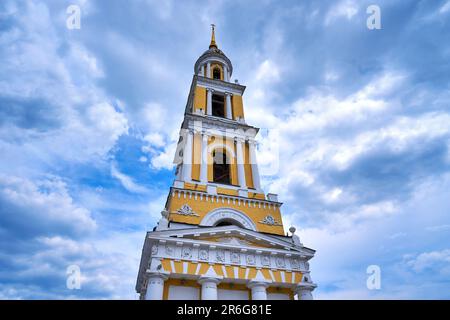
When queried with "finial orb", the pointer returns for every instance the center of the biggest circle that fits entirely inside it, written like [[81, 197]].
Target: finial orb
[[292, 230]]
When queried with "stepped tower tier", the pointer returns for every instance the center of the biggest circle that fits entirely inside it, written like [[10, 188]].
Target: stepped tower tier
[[220, 236]]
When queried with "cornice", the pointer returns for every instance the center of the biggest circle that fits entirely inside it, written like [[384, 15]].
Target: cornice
[[223, 123], [220, 83]]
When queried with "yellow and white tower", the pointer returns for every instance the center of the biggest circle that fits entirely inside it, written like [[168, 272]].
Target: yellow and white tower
[[220, 236]]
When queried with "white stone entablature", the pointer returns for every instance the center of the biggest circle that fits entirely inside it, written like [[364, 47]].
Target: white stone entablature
[[220, 86], [233, 247]]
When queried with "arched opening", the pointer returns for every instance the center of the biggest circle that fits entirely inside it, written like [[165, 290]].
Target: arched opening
[[228, 222], [221, 167], [216, 73], [218, 105], [227, 215]]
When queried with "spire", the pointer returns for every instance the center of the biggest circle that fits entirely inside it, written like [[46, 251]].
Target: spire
[[213, 38]]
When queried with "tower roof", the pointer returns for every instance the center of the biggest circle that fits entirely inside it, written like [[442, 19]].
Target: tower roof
[[213, 52], [213, 38]]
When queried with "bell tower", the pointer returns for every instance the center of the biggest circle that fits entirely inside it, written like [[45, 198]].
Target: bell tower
[[220, 236]]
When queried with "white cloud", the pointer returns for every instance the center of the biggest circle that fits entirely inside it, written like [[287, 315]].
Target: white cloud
[[445, 8], [433, 260], [344, 9], [400, 135], [268, 72], [164, 160], [83, 125], [44, 206], [126, 181]]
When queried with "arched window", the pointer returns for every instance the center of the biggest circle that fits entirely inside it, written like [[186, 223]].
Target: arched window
[[218, 105], [221, 167], [216, 73], [228, 222]]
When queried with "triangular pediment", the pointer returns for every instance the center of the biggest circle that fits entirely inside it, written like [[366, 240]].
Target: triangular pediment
[[233, 236]]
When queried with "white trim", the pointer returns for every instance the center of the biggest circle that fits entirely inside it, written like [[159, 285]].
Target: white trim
[[215, 145], [216, 215]]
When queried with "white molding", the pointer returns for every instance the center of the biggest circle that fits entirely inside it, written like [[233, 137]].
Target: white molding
[[224, 213], [243, 200], [272, 240], [234, 255]]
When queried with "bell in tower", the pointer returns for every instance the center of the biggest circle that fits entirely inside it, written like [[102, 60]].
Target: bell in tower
[[220, 236]]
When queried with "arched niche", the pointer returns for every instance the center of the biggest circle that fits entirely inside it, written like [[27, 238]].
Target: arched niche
[[228, 215]]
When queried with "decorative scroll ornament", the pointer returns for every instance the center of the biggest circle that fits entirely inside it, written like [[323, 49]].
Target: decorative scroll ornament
[[203, 254], [220, 255], [235, 258], [169, 250], [265, 260], [185, 210], [187, 252], [280, 262], [269, 220]]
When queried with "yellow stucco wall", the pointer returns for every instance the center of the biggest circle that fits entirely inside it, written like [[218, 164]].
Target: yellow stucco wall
[[238, 109], [223, 190], [200, 98], [202, 207], [195, 186], [248, 167], [196, 156], [227, 272]]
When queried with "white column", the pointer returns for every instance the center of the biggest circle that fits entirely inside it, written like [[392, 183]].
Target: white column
[[187, 157], [209, 288], [203, 70], [258, 290], [225, 73], [240, 163], [209, 101], [204, 164], [254, 164], [155, 287], [208, 70], [304, 291], [228, 105]]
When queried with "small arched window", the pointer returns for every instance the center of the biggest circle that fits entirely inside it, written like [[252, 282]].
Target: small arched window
[[216, 73], [221, 167]]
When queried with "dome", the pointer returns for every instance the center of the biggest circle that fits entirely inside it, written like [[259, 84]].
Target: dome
[[213, 54]]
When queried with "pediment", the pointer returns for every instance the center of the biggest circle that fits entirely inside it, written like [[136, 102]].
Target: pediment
[[232, 236]]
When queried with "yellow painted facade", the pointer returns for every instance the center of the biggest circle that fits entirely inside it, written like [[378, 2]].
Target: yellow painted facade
[[220, 141], [203, 206], [238, 108], [243, 273], [218, 230], [248, 167], [200, 98]]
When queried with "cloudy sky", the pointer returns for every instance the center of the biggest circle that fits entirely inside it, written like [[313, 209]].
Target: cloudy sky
[[89, 120]]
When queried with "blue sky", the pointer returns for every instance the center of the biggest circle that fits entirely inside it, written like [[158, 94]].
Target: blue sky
[[89, 119]]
